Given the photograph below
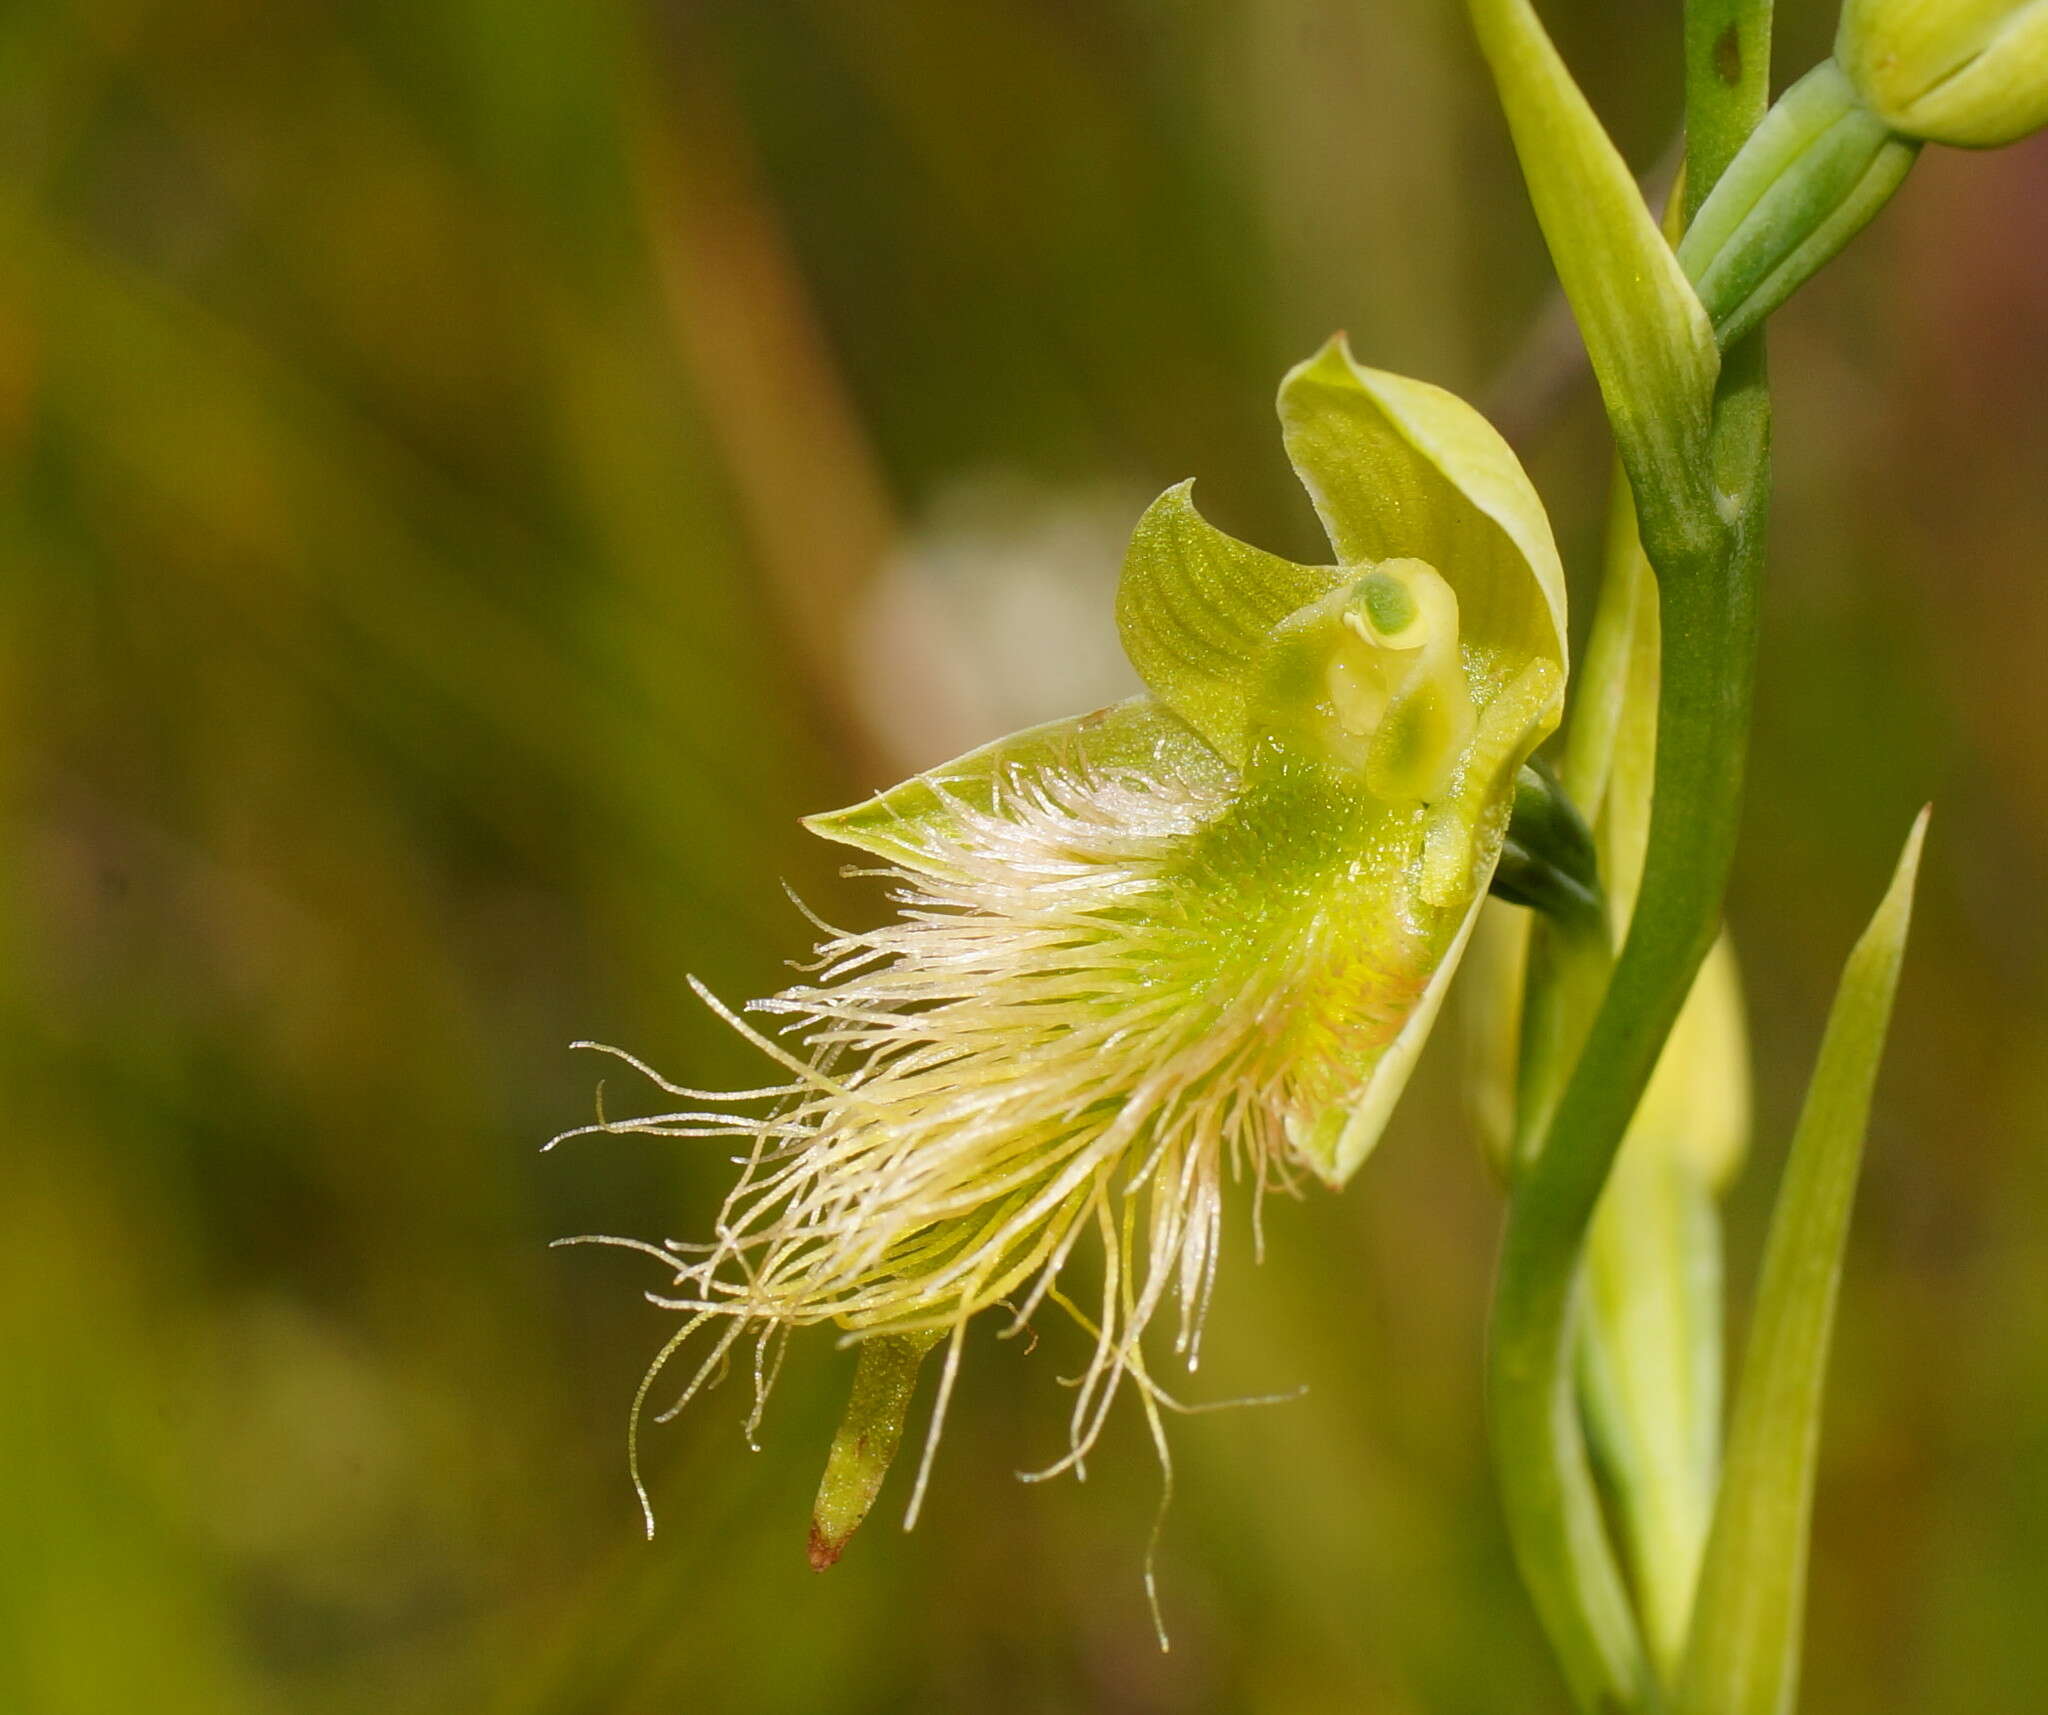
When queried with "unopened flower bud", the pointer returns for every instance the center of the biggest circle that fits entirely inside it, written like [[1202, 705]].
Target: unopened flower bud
[[1972, 73]]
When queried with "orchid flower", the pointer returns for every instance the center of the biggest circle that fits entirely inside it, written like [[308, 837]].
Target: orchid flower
[[1191, 941]]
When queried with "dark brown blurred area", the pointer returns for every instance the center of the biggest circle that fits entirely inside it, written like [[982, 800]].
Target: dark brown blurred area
[[475, 473]]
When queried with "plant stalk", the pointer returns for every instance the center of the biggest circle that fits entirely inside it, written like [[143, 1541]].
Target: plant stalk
[[1708, 570]]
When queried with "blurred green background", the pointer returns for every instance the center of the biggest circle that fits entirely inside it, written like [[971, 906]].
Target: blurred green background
[[474, 473]]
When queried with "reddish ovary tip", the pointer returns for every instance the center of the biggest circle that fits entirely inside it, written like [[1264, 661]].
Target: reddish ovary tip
[[822, 1550]]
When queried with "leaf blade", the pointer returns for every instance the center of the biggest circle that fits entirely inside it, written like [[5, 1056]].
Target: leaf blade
[[1651, 344], [1743, 1657]]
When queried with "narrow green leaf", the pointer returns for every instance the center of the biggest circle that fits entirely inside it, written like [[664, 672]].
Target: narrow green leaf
[[910, 823], [1650, 1377], [1743, 1656], [1650, 1354], [1650, 341], [1196, 608]]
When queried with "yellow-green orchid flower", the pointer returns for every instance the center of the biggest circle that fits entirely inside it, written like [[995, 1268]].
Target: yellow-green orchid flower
[[1194, 938]]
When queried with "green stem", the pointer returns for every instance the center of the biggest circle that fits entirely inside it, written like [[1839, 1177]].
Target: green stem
[[1708, 570], [1709, 615], [1727, 87], [1709, 619]]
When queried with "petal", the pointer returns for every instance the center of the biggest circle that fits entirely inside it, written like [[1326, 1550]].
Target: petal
[[1195, 609], [1138, 734], [1398, 468], [1373, 1105]]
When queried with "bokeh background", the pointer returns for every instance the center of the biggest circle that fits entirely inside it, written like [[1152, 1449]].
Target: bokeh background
[[472, 473]]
